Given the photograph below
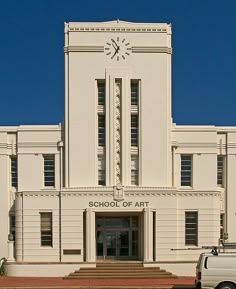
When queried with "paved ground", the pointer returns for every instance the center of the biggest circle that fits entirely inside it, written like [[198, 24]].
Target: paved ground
[[54, 282]]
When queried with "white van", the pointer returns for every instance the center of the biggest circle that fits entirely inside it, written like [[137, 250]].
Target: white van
[[216, 270]]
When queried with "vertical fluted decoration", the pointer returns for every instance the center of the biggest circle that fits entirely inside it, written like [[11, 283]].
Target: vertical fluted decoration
[[118, 176]]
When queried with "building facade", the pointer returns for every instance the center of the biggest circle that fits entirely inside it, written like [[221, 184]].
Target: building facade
[[119, 180]]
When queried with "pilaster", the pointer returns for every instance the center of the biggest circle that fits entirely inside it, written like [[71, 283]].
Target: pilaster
[[148, 235], [90, 236]]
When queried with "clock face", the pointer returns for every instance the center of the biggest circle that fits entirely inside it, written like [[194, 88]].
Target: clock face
[[118, 48]]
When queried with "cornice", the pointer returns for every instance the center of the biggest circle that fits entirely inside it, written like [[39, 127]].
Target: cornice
[[87, 194], [128, 192], [111, 189], [203, 128], [193, 128], [22, 128], [9, 129], [225, 129], [32, 128], [198, 194], [32, 194]]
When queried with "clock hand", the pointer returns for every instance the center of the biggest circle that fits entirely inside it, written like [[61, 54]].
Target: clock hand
[[116, 50], [114, 54], [115, 42]]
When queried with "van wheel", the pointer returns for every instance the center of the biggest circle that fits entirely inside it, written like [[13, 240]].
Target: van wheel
[[226, 285]]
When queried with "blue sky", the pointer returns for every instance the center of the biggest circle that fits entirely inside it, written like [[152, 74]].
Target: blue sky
[[203, 62]]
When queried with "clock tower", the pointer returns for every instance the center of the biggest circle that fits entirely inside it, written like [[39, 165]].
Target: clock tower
[[117, 104]]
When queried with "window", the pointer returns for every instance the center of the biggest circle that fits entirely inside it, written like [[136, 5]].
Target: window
[[222, 226], [101, 171], [46, 229], [134, 130], [134, 92], [220, 171], [101, 130], [186, 170], [49, 171], [191, 228], [13, 226], [134, 170], [14, 171], [101, 92]]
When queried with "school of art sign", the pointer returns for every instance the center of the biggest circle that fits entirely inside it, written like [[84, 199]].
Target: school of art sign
[[114, 204]]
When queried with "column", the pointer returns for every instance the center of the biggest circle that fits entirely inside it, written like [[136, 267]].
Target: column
[[90, 236], [10, 257], [19, 245], [148, 235]]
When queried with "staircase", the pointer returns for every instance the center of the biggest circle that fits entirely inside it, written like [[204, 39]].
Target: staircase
[[120, 271]]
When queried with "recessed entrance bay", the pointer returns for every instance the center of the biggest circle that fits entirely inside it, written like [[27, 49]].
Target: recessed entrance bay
[[117, 237]]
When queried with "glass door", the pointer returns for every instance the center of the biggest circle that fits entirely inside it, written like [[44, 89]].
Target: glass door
[[117, 238], [123, 243], [111, 244]]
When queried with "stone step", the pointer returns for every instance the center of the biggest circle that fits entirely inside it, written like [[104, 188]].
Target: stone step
[[107, 269], [121, 277], [120, 271], [118, 264]]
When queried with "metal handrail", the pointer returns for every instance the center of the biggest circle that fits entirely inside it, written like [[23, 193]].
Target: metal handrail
[[2, 263]]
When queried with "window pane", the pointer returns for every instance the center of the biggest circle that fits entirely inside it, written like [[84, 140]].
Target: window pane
[[46, 229], [49, 171], [101, 92], [134, 130], [191, 228], [134, 170], [101, 171], [101, 130], [186, 170], [220, 170], [222, 226], [13, 226], [134, 92], [14, 171]]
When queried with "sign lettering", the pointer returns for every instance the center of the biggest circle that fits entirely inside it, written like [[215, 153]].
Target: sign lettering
[[114, 204]]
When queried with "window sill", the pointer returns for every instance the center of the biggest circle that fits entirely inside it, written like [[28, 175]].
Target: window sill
[[186, 188], [46, 247]]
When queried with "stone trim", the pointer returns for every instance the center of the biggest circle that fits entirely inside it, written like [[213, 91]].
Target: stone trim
[[151, 49], [196, 145], [118, 29], [128, 193], [134, 49], [87, 48], [37, 144]]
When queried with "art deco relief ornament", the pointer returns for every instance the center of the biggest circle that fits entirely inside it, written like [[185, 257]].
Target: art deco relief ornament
[[118, 194]]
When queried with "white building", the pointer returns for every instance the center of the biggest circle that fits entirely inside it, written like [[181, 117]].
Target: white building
[[120, 180]]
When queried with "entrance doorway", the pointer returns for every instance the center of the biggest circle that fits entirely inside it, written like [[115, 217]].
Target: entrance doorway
[[117, 237]]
